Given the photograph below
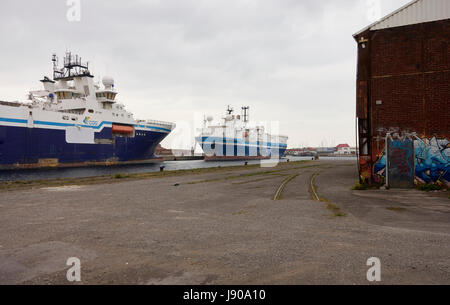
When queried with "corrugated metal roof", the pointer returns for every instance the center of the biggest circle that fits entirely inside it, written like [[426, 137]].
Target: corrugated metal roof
[[417, 11]]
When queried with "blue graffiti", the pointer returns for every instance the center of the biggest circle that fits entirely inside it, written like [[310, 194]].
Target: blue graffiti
[[432, 161]]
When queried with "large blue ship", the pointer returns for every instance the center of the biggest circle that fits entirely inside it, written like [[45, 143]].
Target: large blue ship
[[74, 121]]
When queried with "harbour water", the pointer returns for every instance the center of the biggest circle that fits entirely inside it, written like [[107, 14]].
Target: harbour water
[[61, 173]]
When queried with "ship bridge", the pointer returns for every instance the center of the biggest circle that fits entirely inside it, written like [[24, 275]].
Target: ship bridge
[[107, 96]]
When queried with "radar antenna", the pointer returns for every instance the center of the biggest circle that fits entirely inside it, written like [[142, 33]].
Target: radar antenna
[[230, 110], [73, 66]]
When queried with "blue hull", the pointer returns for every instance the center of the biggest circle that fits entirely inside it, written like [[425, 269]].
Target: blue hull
[[25, 147], [234, 148]]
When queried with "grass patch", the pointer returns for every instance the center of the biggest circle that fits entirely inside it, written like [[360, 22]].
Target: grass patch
[[430, 187], [329, 205], [204, 181], [13, 185], [271, 173], [334, 209], [120, 176], [360, 187], [366, 186]]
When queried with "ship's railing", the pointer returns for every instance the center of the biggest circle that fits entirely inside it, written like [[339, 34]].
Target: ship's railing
[[81, 111], [13, 104], [155, 122]]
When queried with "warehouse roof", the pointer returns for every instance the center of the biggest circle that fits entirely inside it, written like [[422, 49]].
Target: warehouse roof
[[417, 11]]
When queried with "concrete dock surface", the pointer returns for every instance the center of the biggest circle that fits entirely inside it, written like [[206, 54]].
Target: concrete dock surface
[[225, 227]]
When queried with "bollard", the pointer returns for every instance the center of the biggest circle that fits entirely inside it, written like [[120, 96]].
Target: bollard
[[287, 160], [246, 163], [161, 168]]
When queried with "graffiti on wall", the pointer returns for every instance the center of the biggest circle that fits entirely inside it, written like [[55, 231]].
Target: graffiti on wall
[[432, 161], [401, 163]]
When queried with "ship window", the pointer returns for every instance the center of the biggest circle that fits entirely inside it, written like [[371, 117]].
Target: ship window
[[74, 119], [65, 117], [91, 111], [64, 95]]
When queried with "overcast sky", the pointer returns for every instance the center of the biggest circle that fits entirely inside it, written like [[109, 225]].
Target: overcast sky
[[291, 61]]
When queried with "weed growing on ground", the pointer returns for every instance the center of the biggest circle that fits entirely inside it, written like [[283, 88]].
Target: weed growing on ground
[[430, 187], [360, 187]]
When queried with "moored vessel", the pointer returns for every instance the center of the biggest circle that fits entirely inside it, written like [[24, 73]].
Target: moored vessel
[[73, 121], [235, 139]]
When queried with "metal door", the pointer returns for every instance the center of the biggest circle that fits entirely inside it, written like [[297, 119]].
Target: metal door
[[400, 163]]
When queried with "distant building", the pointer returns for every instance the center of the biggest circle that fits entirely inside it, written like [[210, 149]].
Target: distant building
[[403, 88], [325, 150], [343, 149]]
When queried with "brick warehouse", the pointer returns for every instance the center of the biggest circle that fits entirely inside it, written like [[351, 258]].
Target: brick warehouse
[[403, 88]]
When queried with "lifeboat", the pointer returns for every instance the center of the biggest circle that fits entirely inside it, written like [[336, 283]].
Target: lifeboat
[[122, 129]]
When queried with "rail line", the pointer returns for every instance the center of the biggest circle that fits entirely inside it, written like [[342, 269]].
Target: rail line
[[313, 188], [280, 189]]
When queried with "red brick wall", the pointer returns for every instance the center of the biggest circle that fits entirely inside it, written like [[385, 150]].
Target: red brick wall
[[402, 104], [437, 113], [396, 51], [408, 70]]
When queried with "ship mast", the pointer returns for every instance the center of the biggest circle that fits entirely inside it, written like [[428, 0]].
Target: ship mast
[[245, 113], [230, 110], [73, 66]]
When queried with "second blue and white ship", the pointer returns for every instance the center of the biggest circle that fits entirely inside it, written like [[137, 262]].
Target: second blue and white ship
[[234, 138]]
